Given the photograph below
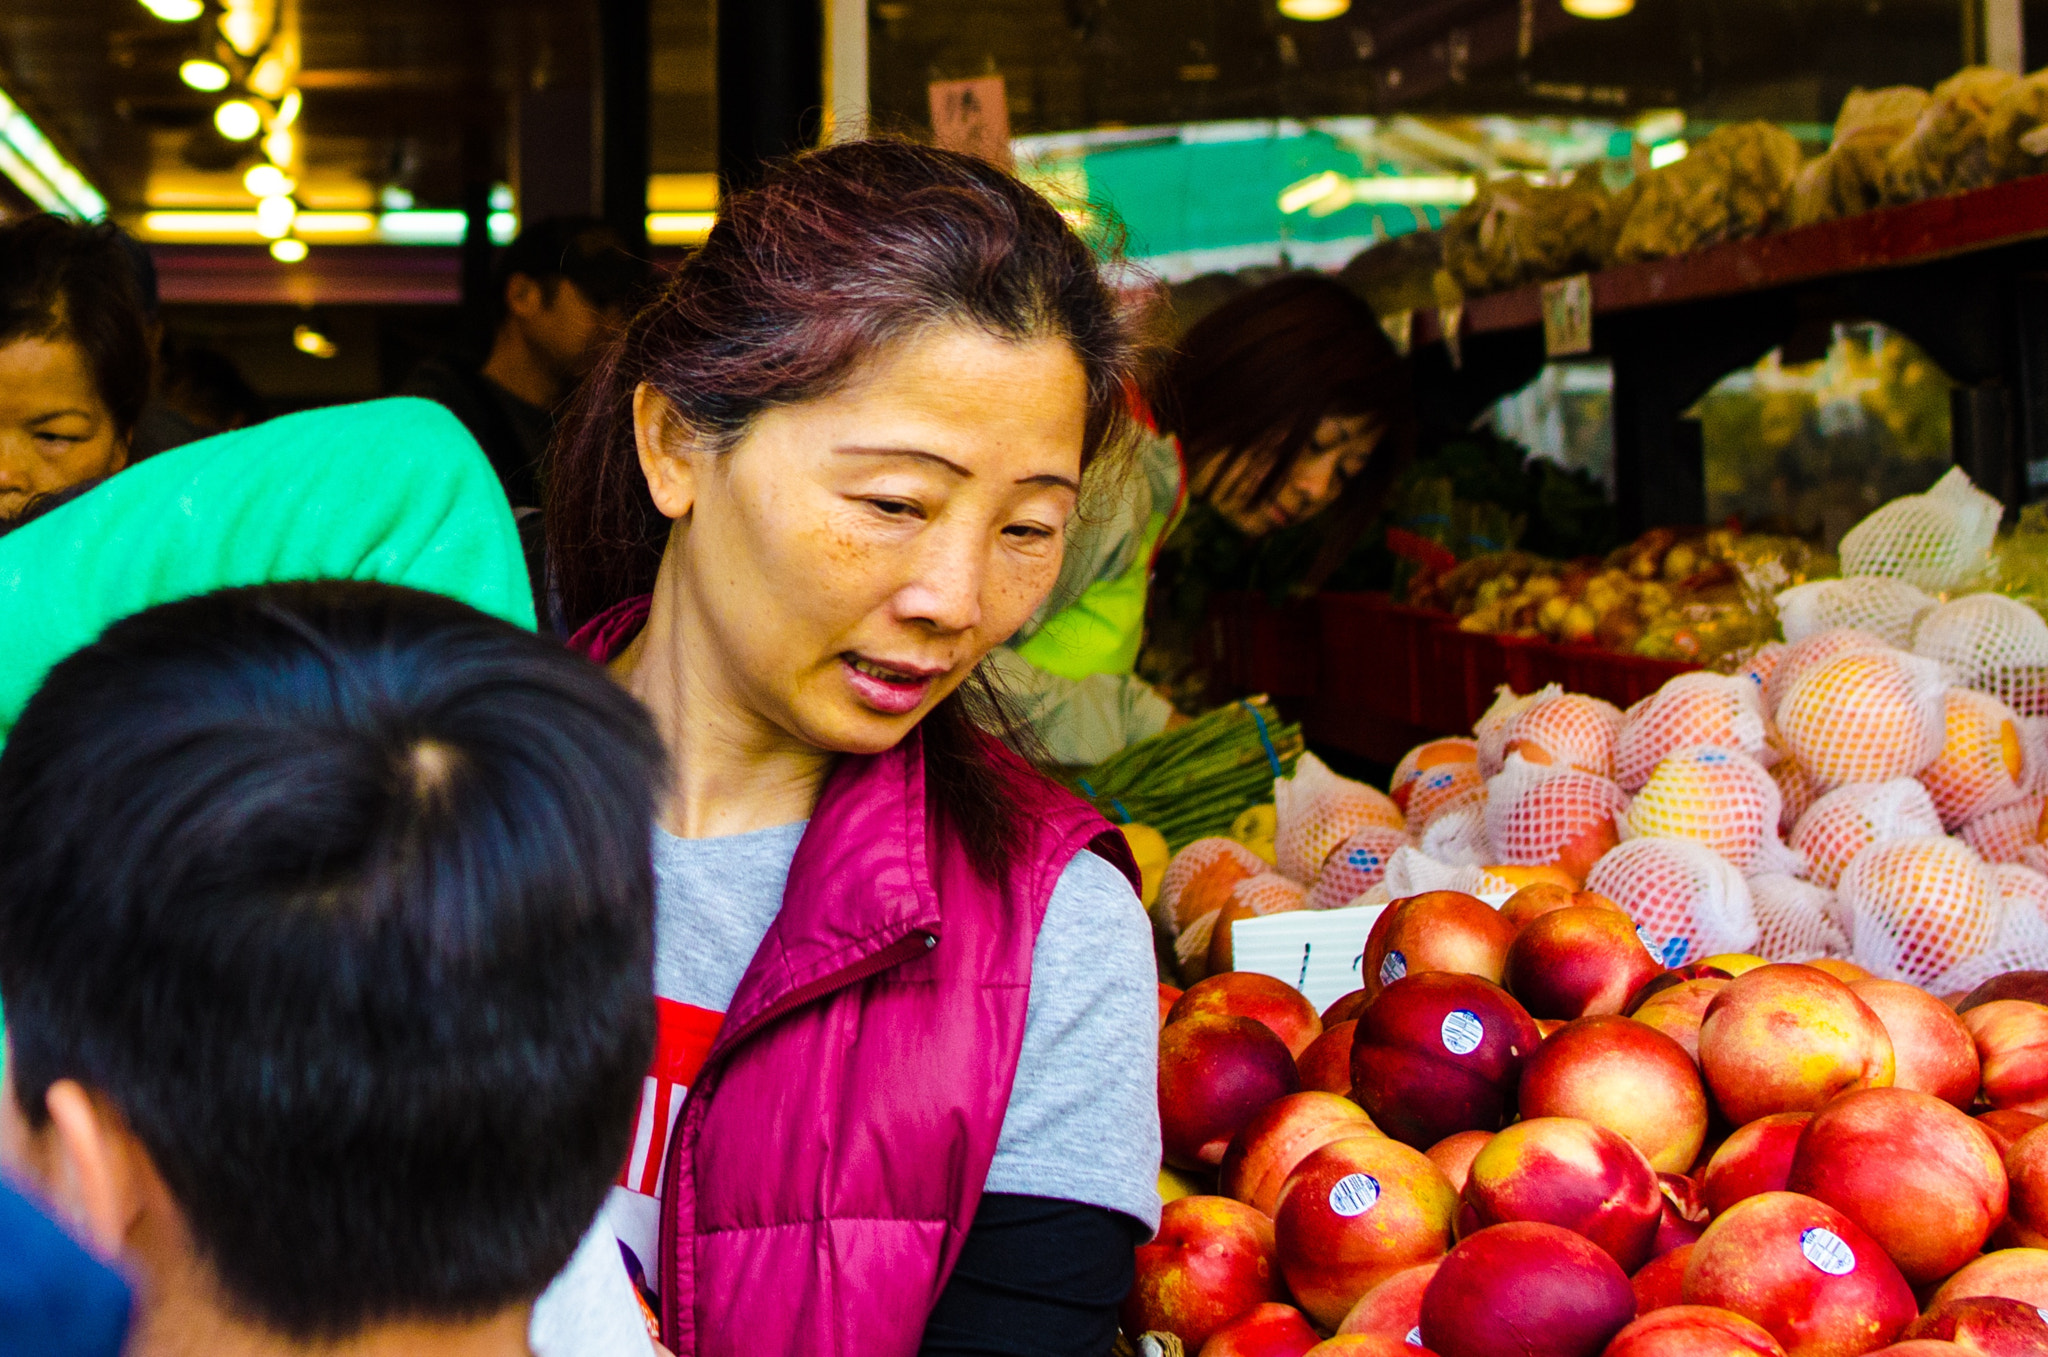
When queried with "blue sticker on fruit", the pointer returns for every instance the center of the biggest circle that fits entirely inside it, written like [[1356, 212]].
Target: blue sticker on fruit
[[1354, 1194]]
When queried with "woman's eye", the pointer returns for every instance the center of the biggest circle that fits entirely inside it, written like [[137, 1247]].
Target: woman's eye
[[1030, 532], [895, 508]]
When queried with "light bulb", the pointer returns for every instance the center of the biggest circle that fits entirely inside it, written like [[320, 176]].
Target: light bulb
[[288, 108], [1311, 11], [274, 216], [175, 11], [308, 340], [202, 74], [1598, 9], [290, 250], [267, 181], [237, 120], [280, 147]]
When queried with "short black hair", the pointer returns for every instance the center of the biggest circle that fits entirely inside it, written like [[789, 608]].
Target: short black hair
[[64, 279], [583, 250], [342, 895]]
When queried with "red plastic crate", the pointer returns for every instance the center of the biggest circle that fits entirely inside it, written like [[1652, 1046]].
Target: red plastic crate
[[1622, 679], [1254, 646]]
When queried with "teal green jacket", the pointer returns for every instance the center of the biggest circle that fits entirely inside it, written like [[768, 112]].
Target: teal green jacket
[[393, 490]]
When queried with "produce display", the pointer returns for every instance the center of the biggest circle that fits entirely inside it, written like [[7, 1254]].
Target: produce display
[[1714, 1026], [1195, 780]]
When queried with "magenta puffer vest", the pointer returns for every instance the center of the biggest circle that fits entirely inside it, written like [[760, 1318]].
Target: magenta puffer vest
[[827, 1165]]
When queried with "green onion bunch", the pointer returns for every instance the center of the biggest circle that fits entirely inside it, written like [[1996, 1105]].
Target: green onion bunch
[[1192, 782]]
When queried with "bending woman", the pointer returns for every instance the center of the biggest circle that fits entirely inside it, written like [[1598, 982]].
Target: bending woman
[[903, 1096]]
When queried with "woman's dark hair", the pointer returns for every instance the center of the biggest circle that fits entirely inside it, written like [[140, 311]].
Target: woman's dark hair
[[1251, 380], [340, 893], [838, 253], [60, 279]]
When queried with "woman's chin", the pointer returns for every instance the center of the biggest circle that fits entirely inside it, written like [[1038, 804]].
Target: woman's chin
[[850, 728]]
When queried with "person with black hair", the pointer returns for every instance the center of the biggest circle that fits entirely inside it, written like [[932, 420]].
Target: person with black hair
[[326, 935], [558, 291], [74, 356]]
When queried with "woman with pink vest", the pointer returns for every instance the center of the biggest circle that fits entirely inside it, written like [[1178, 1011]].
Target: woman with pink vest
[[903, 1096]]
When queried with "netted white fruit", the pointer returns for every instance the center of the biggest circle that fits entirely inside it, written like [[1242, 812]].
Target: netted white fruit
[[1687, 901], [2021, 944], [1717, 798], [1316, 810], [1850, 819], [1690, 711], [1355, 866], [1413, 872], [1457, 834], [1886, 608], [1567, 730], [1494, 727], [2034, 741], [1982, 764], [1867, 716], [1439, 789], [1254, 897], [1424, 757], [1794, 919], [1762, 663], [1199, 880], [1811, 653], [1537, 815], [1916, 907], [2007, 832], [1796, 791], [1992, 643], [1936, 540]]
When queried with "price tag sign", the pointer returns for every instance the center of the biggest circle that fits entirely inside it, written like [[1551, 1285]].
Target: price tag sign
[[1318, 951], [972, 116], [1568, 316]]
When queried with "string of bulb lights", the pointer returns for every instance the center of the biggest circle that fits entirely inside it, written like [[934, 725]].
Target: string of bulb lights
[[1315, 11], [250, 52]]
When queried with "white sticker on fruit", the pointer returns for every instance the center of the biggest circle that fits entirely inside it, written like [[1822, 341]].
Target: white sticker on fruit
[[1463, 1031], [1393, 968], [1354, 1194], [1414, 1339], [1827, 1251]]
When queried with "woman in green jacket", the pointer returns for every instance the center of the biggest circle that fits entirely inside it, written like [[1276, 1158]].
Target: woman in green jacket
[[1286, 404]]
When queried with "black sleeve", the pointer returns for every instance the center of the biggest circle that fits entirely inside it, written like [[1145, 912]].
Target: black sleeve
[[1038, 1277]]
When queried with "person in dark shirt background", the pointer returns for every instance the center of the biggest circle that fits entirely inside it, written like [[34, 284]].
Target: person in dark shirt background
[[559, 290]]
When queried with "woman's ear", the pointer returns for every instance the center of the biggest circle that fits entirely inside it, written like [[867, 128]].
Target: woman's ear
[[94, 1169], [665, 458]]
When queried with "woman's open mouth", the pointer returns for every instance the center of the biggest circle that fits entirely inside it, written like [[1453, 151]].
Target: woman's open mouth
[[889, 689]]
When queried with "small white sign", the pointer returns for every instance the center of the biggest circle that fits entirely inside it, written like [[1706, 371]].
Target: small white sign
[[1318, 951], [1568, 316]]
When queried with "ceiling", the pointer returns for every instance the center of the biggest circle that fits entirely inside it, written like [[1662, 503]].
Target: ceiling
[[421, 95]]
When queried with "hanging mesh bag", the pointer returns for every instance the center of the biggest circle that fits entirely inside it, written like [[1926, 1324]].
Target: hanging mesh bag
[[1992, 643], [1850, 819], [1537, 815], [1885, 608], [1424, 758], [1795, 919], [1916, 907], [1982, 761], [1723, 801], [1567, 730], [1355, 866], [1686, 901], [1811, 653], [1457, 834], [1936, 540], [1317, 810], [1495, 727], [1690, 711], [1199, 881], [1867, 716], [2005, 833]]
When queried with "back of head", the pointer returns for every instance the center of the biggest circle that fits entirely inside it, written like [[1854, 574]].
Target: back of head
[[63, 279], [582, 250], [341, 895]]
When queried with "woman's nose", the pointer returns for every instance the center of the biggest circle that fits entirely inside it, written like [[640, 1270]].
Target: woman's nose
[[945, 589], [1314, 477]]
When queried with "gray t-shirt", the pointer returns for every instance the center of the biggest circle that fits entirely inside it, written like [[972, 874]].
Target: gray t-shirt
[[1083, 1120]]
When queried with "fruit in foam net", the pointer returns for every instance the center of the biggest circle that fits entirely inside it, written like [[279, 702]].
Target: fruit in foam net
[[1866, 716], [1627, 1077], [1268, 1330], [1756, 1159], [1454, 1155], [1326, 1064], [1212, 1260], [1677, 1012], [1568, 730], [1930, 902], [1980, 764], [1562, 1171], [1441, 789], [1567, 818], [1215, 1074], [1525, 1290], [1990, 1326], [1254, 898], [1201, 877], [1691, 711], [2012, 1043], [1850, 819], [1572, 963], [1247, 994], [1717, 798], [1446, 753], [1354, 1213], [1436, 931], [2019, 1274], [1932, 1050], [1281, 1135], [1805, 1272], [1661, 1281], [1438, 1053], [1693, 1331], [1393, 1309], [1918, 1175], [1787, 1039]]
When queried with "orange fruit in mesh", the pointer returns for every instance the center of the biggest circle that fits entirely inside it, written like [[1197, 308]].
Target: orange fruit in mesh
[[1717, 798], [1687, 902], [1568, 730], [1317, 810], [1759, 667], [1423, 758], [1199, 881], [1456, 835], [1981, 764], [1850, 819], [2005, 833], [2021, 887], [1795, 919], [1494, 727], [1355, 866], [1796, 792], [1867, 716], [1918, 906], [1440, 788], [1567, 818], [1810, 653], [1253, 899], [1689, 712]]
